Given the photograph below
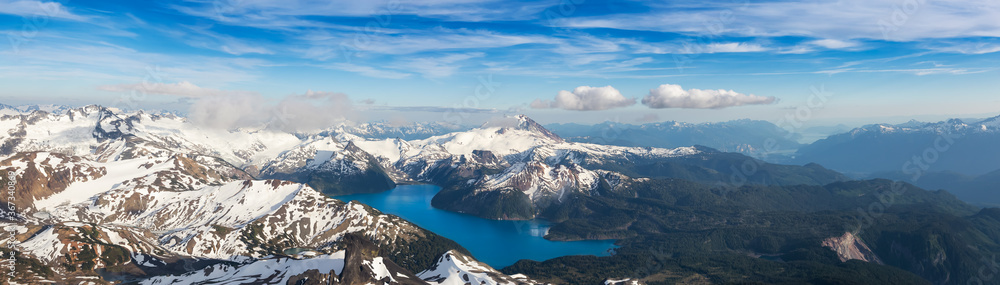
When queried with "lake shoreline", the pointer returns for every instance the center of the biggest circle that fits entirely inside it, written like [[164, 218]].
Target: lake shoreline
[[499, 243]]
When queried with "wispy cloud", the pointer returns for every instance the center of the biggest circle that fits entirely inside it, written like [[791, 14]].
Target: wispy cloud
[[53, 56], [184, 89], [367, 70], [730, 47], [284, 13], [38, 9], [436, 67], [834, 44], [829, 19], [970, 47], [203, 37]]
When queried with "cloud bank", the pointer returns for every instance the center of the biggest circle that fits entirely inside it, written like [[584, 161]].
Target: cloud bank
[[307, 112], [230, 109], [673, 96], [586, 98]]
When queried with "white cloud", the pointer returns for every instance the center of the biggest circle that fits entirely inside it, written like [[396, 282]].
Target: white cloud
[[295, 113], [586, 98], [280, 13], [368, 70], [816, 45], [833, 44], [40, 9], [312, 111], [688, 48], [673, 96], [734, 47], [183, 88], [971, 47], [230, 111]]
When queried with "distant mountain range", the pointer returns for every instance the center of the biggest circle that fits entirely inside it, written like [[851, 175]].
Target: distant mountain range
[[408, 131], [969, 148], [21, 109], [743, 136]]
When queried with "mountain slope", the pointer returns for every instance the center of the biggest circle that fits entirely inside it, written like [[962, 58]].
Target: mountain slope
[[982, 190], [675, 231]]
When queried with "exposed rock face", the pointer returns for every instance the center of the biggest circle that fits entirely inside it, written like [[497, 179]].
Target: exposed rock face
[[43, 174], [623, 282], [364, 264], [849, 246]]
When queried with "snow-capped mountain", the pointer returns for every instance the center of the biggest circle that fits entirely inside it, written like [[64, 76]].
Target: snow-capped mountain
[[331, 166], [513, 156], [158, 200], [105, 134], [989, 125], [912, 147], [405, 131], [173, 218], [94, 130], [24, 109], [514, 168], [475, 272]]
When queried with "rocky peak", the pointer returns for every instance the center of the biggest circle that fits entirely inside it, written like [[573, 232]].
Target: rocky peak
[[364, 264], [521, 123]]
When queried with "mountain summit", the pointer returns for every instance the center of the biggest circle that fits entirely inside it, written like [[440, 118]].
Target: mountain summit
[[520, 123]]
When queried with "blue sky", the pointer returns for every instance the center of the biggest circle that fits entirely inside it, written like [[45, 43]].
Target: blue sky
[[877, 60]]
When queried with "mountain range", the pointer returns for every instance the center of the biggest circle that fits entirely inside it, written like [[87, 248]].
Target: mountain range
[[914, 147], [742, 136], [958, 155], [152, 198], [113, 197]]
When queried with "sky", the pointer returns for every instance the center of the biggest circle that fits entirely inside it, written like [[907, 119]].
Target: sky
[[584, 61]]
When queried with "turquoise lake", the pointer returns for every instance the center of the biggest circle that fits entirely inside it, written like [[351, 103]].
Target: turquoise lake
[[498, 243]]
